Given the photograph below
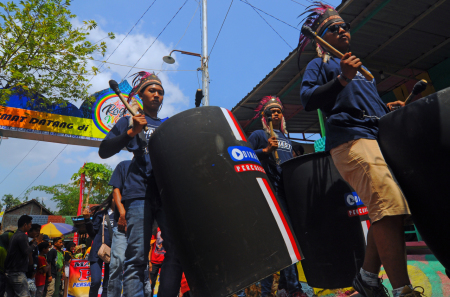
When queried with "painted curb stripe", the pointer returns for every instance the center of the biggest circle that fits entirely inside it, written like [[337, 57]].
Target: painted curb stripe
[[234, 125], [280, 219]]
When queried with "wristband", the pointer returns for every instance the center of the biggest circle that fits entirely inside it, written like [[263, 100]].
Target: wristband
[[348, 80]]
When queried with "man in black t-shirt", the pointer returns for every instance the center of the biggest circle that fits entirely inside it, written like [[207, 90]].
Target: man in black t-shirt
[[16, 262]]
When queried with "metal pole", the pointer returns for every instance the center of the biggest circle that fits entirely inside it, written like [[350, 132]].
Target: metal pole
[[205, 73]]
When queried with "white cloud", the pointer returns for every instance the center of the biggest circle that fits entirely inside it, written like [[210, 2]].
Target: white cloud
[[128, 53]]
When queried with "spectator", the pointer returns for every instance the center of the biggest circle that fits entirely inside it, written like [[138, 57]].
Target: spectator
[[55, 258], [33, 233], [4, 243], [119, 240], [42, 269], [17, 259], [99, 227], [157, 253]]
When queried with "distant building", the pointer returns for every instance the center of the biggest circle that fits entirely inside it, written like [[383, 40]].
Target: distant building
[[32, 208]]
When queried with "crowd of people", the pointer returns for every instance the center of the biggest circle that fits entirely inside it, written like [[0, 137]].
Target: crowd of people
[[32, 264], [121, 227]]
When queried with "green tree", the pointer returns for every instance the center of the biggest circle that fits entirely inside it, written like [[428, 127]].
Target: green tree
[[10, 201], [42, 54], [97, 177], [65, 195]]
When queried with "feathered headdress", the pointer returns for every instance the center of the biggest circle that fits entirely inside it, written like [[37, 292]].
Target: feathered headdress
[[141, 80], [265, 104], [319, 17]]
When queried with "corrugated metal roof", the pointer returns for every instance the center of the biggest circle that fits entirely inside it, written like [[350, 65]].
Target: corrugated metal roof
[[402, 38]]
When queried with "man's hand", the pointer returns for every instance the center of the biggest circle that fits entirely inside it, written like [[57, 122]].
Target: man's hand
[[39, 238], [395, 105], [122, 223], [139, 122], [86, 213], [350, 65], [271, 146], [49, 279]]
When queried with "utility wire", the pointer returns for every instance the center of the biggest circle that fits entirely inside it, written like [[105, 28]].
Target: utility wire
[[220, 30], [156, 38], [124, 38], [246, 2], [142, 68], [19, 162], [43, 171], [268, 24], [162, 64]]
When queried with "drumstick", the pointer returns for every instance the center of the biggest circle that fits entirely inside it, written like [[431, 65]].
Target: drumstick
[[307, 31], [269, 118], [419, 87], [115, 87]]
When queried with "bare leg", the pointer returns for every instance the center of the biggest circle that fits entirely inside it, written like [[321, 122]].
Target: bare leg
[[390, 243], [372, 262]]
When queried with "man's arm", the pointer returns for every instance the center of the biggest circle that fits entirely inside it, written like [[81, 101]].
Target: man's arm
[[262, 148], [24, 246], [120, 136], [122, 223]]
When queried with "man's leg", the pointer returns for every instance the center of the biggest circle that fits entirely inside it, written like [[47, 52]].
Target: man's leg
[[139, 223], [18, 284], [51, 288], [96, 277], [171, 270], [105, 281], [57, 284], [362, 165], [119, 245]]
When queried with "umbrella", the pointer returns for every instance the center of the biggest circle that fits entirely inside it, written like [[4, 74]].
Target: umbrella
[[57, 229]]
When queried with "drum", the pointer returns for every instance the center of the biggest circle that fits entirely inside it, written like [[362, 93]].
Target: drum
[[328, 218], [415, 141], [228, 226]]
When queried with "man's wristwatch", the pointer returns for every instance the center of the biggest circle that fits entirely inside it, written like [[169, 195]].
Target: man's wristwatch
[[348, 80]]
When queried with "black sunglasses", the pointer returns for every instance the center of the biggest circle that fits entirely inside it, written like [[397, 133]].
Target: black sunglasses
[[335, 28]]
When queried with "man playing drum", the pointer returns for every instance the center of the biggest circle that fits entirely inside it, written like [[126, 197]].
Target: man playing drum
[[265, 147], [352, 108]]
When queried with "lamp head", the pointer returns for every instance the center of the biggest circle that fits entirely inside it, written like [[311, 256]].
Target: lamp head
[[168, 59]]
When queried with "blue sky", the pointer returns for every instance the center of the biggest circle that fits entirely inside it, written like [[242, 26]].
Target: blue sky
[[246, 50]]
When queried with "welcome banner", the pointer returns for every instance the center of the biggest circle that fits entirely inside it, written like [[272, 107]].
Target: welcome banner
[[30, 118]]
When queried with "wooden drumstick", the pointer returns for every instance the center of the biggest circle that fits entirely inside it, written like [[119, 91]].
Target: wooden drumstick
[[115, 87], [269, 118], [307, 31]]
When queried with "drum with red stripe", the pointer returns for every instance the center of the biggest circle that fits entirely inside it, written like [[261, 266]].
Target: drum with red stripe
[[329, 220], [228, 225]]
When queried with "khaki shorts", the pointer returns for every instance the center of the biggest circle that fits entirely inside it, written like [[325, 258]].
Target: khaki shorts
[[362, 165]]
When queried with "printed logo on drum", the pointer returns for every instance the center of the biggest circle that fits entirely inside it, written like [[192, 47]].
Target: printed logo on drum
[[242, 153], [248, 167], [358, 212], [352, 199]]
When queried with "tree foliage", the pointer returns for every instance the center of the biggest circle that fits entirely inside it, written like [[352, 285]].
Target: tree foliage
[[67, 195], [42, 54], [9, 201], [97, 177]]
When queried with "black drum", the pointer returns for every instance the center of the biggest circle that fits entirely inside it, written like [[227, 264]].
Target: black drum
[[415, 141], [228, 226], [325, 214]]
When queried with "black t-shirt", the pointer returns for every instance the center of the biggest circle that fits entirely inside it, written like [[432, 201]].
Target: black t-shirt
[[52, 257], [118, 180]]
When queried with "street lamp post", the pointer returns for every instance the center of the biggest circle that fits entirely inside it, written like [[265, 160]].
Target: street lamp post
[[204, 56], [205, 75]]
